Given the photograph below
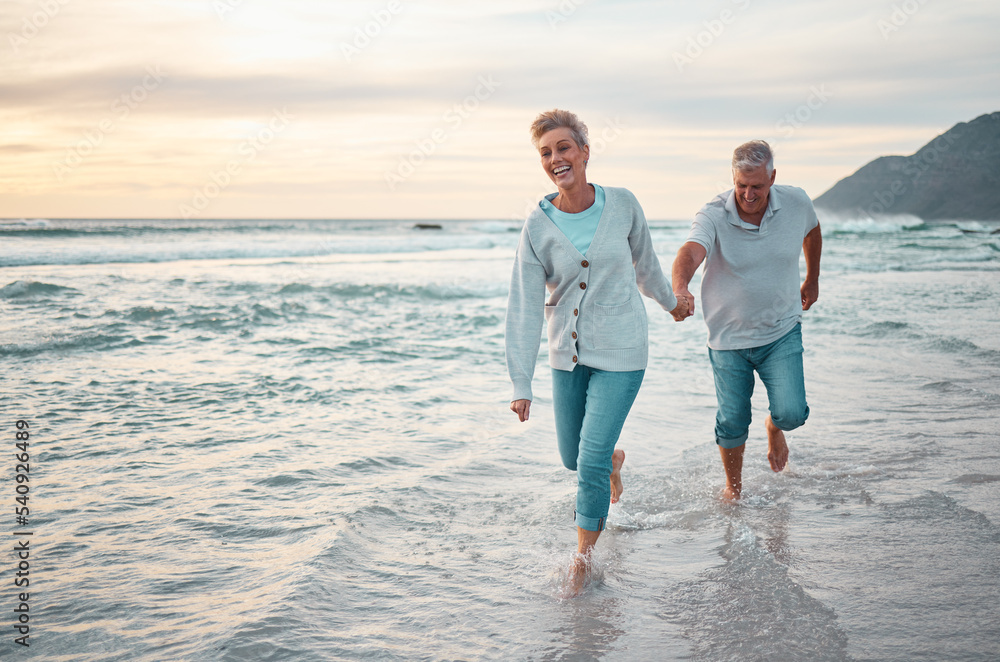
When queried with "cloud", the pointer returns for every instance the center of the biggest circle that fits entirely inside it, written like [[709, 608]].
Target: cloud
[[368, 81]]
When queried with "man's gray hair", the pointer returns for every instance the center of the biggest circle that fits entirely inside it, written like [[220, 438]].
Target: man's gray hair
[[555, 119], [752, 155]]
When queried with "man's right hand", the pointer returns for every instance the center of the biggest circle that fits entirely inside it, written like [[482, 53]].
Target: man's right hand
[[685, 305], [689, 256], [521, 407]]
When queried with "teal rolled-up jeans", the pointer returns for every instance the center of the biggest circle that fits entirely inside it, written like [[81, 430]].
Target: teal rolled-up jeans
[[590, 409], [779, 365]]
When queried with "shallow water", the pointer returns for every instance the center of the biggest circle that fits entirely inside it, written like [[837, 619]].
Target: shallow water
[[290, 441]]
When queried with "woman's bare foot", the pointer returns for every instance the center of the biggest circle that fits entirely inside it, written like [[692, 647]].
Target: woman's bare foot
[[777, 449], [580, 568], [617, 459], [579, 574]]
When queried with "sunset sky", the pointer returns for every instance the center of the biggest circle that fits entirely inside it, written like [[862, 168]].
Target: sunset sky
[[420, 109]]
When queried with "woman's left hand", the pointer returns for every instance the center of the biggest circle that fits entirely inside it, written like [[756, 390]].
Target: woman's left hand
[[521, 407]]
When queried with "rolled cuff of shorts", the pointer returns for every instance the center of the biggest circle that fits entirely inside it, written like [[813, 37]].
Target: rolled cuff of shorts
[[789, 424], [729, 444], [590, 523]]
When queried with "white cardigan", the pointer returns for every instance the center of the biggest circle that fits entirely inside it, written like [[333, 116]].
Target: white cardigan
[[594, 313]]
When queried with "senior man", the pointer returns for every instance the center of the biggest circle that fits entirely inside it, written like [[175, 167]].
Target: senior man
[[752, 236]]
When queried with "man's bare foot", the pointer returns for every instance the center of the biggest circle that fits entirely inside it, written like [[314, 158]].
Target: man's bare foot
[[777, 449], [732, 462], [617, 459]]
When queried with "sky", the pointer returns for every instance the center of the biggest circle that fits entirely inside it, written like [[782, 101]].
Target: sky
[[414, 109]]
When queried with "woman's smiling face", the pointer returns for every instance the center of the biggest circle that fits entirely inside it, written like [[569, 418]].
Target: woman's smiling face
[[563, 160]]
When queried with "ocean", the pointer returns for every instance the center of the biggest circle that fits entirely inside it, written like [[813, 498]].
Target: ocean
[[290, 440]]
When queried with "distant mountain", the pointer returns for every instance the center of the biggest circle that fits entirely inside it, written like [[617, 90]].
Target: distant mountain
[[954, 176]]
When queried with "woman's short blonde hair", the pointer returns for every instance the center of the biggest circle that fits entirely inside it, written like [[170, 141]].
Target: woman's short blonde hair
[[555, 119]]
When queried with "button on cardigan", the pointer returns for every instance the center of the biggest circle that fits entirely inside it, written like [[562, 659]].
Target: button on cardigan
[[594, 314]]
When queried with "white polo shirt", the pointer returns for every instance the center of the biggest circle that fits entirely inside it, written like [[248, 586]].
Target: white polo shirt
[[750, 290]]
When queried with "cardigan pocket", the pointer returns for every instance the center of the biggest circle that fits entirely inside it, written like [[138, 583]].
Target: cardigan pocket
[[559, 319], [616, 327]]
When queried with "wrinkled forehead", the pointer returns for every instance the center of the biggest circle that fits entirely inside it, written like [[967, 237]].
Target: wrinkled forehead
[[553, 137], [752, 177]]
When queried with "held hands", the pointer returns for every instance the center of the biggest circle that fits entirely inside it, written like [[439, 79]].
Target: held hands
[[521, 407], [683, 310], [685, 305]]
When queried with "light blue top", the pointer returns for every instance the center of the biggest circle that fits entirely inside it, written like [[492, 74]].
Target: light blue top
[[578, 228]]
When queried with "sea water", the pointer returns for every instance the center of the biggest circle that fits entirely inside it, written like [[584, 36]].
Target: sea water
[[290, 440]]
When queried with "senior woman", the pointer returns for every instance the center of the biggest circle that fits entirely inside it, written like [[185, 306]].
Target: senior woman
[[589, 247]]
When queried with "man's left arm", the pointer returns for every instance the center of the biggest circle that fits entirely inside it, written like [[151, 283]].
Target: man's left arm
[[812, 247]]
